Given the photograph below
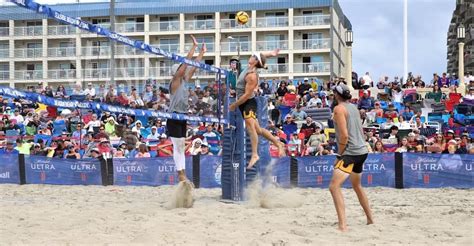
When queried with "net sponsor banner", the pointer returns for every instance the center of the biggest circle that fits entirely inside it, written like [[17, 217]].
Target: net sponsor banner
[[148, 171], [277, 171], [316, 171], [211, 170], [44, 170], [9, 169], [437, 170]]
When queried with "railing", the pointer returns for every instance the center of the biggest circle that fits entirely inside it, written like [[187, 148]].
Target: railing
[[29, 31], [4, 75], [29, 74], [311, 20], [61, 30], [29, 53], [209, 46], [199, 25], [96, 51], [130, 72], [275, 68], [4, 31], [272, 21], [232, 24], [233, 46], [169, 47], [61, 52], [127, 50], [130, 27], [308, 44], [160, 71], [104, 25], [164, 26], [271, 45], [317, 67], [4, 53], [62, 74], [102, 73]]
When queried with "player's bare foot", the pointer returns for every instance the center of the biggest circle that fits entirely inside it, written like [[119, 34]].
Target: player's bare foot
[[343, 228], [181, 176], [253, 161], [370, 221]]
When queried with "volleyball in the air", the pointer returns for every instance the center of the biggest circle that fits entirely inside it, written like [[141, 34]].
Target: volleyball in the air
[[242, 18]]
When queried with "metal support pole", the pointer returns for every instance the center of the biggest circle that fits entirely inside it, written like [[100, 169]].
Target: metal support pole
[[112, 44]]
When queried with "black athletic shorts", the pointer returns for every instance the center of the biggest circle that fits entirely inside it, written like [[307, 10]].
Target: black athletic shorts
[[249, 109], [176, 128], [351, 163]]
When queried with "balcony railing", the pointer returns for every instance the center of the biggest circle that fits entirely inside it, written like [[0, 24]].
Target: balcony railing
[[101, 73], [199, 25], [104, 25], [233, 46], [96, 51], [168, 47], [275, 68], [130, 72], [311, 20], [62, 74], [4, 75], [61, 30], [4, 53], [127, 50], [164, 26], [308, 44], [209, 46], [160, 71], [62, 52], [29, 53], [272, 21], [317, 67], [271, 45], [28, 74], [4, 31], [29, 31], [130, 27], [232, 24]]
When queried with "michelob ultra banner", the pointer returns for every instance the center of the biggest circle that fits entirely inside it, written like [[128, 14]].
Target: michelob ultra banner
[[44, 170], [210, 171], [437, 170], [316, 171], [148, 171], [9, 169], [276, 171]]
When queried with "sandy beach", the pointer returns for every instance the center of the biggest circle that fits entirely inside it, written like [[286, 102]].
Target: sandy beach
[[43, 214]]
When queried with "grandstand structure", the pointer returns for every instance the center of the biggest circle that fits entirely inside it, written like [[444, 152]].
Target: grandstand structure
[[34, 49], [463, 14]]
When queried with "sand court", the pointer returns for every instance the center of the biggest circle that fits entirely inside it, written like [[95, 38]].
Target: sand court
[[44, 214]]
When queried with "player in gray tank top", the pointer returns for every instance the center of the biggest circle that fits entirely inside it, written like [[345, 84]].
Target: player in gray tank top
[[352, 153], [179, 104], [245, 101]]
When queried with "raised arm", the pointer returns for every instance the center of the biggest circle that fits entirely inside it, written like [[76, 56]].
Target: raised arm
[[189, 74], [272, 53], [180, 73]]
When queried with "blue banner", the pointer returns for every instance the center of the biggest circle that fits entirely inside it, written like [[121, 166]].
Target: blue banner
[[73, 104], [437, 170], [277, 170], [148, 171], [44, 170], [211, 169], [9, 169], [316, 171]]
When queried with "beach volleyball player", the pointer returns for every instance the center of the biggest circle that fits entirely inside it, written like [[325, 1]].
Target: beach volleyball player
[[247, 83], [352, 153], [179, 104]]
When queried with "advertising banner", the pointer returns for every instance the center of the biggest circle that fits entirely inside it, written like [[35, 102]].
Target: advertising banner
[[9, 170]]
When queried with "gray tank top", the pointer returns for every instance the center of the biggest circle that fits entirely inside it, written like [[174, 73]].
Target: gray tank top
[[179, 99], [241, 83], [356, 144]]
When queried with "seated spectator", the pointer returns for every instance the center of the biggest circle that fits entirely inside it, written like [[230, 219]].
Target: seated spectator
[[72, 154], [93, 123], [444, 81], [436, 94], [452, 147], [294, 145], [419, 83], [210, 133], [437, 145], [119, 154], [407, 113], [9, 149], [412, 142], [363, 117], [142, 151], [205, 149], [105, 148], [391, 111], [309, 127], [404, 146], [313, 102], [388, 124], [418, 123], [298, 114], [377, 110], [165, 146], [195, 147], [79, 133], [397, 95], [110, 127], [378, 147], [290, 99], [315, 142], [289, 126], [17, 117], [393, 134], [365, 102], [409, 84], [23, 148], [154, 135], [282, 89], [90, 91], [413, 118], [463, 144], [470, 95]]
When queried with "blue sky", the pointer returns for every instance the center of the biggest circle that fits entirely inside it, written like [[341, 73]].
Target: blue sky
[[378, 35]]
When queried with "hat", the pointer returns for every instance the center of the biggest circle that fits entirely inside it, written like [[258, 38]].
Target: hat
[[310, 89], [8, 107], [366, 92], [89, 83], [175, 68], [465, 135], [451, 131], [95, 150], [204, 143], [411, 134], [343, 90], [104, 140], [163, 136], [154, 127], [305, 79], [452, 142]]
